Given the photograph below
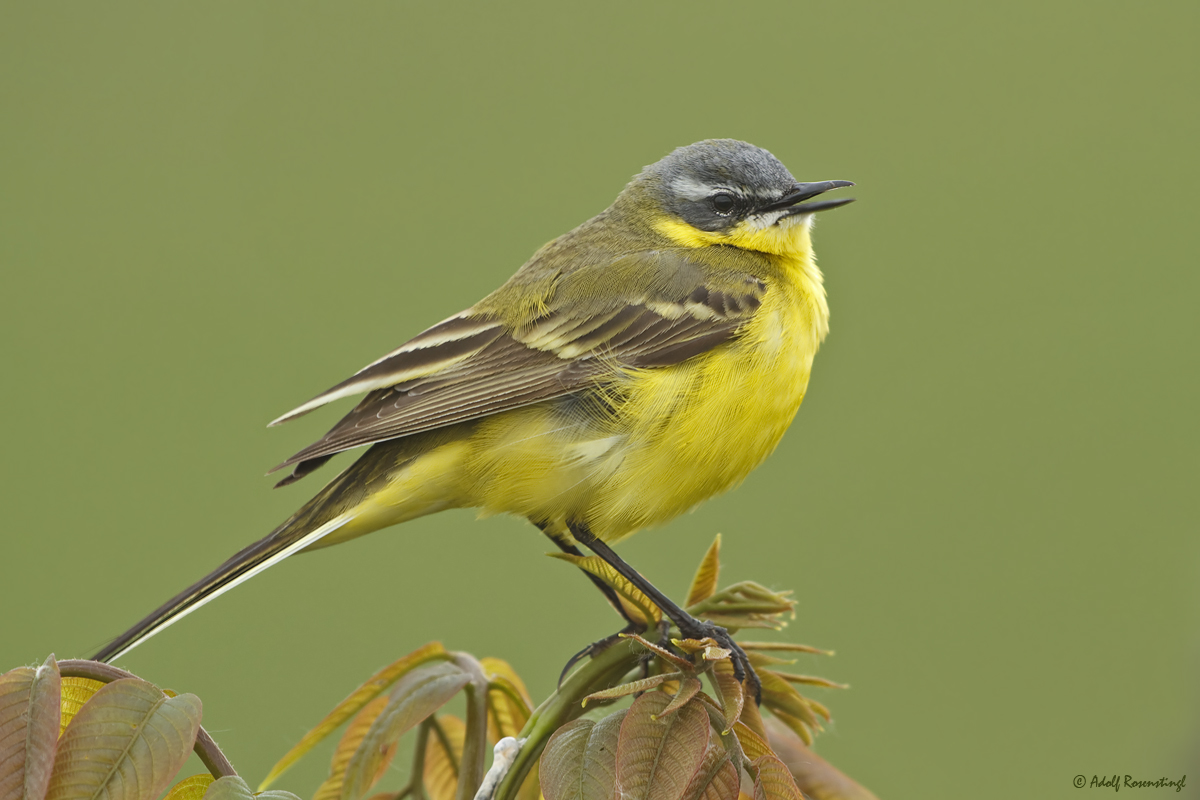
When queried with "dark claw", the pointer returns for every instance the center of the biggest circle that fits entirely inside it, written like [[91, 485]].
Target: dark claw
[[689, 626], [592, 649]]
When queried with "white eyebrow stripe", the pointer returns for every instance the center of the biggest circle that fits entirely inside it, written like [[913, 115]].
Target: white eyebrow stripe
[[689, 188], [692, 189]]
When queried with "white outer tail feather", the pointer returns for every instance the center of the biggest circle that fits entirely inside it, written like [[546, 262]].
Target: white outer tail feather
[[309, 538]]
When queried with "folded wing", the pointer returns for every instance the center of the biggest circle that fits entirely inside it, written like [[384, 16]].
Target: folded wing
[[474, 364]]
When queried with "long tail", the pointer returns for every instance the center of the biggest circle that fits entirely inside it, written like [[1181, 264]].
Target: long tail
[[247, 563], [333, 507]]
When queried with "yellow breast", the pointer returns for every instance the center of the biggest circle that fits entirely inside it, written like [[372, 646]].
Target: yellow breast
[[699, 428], [676, 435]]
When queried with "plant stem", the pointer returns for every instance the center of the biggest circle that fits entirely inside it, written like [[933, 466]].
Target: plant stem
[[416, 781], [471, 766]]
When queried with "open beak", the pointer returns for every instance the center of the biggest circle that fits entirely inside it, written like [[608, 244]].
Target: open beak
[[793, 201]]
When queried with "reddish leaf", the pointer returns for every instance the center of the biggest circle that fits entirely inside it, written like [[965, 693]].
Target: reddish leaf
[[658, 756], [29, 726], [772, 781], [717, 778], [815, 776], [579, 762], [732, 696], [688, 688]]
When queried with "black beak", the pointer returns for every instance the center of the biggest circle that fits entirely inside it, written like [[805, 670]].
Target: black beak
[[793, 201]]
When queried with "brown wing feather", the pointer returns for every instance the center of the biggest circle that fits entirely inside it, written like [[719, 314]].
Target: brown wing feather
[[555, 356]]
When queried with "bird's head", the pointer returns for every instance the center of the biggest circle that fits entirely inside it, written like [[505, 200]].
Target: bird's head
[[723, 191]]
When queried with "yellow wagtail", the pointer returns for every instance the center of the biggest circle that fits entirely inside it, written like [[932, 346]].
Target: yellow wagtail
[[632, 368]]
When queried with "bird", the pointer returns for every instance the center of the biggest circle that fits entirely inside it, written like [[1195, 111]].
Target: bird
[[632, 368]]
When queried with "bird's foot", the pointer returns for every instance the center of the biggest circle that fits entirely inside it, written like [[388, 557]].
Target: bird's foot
[[692, 628], [595, 648]]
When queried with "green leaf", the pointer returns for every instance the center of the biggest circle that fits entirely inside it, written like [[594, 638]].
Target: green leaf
[[784, 646], [75, 692], [752, 744], [665, 655], [780, 696], [192, 788], [414, 697], [746, 605], [819, 708], [812, 680], [815, 776], [764, 660], [231, 787], [579, 762], [29, 726], [376, 685], [355, 732], [509, 704], [441, 762], [658, 756], [717, 778], [632, 598], [633, 687], [126, 743], [704, 584]]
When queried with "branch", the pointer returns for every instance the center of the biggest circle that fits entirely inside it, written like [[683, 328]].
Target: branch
[[471, 766]]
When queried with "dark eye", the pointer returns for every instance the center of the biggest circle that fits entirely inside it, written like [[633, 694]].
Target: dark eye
[[723, 203]]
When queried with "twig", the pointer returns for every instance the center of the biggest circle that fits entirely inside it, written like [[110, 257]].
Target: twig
[[470, 766]]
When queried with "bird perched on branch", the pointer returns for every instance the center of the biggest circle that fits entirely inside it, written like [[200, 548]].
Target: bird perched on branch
[[632, 368]]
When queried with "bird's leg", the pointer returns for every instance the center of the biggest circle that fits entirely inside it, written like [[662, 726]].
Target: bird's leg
[[689, 626], [609, 594], [606, 590]]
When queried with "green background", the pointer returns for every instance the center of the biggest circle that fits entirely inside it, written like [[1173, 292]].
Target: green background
[[987, 506]]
